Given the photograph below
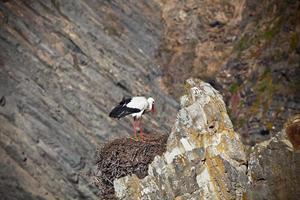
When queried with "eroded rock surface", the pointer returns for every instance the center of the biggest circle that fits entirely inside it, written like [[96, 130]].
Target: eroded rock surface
[[274, 170], [205, 158], [63, 66], [249, 50]]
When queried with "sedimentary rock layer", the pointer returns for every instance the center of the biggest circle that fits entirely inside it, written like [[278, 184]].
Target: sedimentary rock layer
[[63, 66]]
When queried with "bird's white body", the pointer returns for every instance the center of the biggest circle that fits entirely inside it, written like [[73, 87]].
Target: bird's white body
[[136, 107], [140, 103]]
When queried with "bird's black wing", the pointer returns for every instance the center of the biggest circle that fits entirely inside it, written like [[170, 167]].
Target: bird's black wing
[[122, 110], [125, 100]]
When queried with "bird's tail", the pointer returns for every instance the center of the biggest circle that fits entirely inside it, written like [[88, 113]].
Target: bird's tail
[[116, 112], [121, 111]]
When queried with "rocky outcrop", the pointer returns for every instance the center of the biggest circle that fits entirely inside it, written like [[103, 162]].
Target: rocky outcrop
[[205, 158], [63, 66], [198, 38], [273, 169]]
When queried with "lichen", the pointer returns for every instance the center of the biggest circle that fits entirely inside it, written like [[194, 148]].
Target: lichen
[[233, 87], [294, 41], [273, 29], [242, 45]]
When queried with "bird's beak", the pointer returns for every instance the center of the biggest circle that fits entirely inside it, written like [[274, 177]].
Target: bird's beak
[[153, 110]]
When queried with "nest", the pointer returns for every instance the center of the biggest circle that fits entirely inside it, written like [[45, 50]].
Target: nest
[[122, 157]]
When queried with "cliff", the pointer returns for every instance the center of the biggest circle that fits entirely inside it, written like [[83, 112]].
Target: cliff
[[63, 66], [205, 158], [248, 50]]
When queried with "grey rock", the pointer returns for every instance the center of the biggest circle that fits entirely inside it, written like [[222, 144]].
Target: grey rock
[[274, 170], [63, 66]]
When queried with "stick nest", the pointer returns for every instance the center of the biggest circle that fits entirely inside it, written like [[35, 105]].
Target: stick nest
[[122, 157]]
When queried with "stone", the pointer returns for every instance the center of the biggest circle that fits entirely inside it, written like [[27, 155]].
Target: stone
[[63, 66], [205, 158], [273, 170], [247, 52]]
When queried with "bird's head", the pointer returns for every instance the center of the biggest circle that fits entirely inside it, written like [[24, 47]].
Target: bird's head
[[151, 105]]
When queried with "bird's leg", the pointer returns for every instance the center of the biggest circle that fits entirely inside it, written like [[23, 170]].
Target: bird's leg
[[134, 129], [142, 136], [141, 130]]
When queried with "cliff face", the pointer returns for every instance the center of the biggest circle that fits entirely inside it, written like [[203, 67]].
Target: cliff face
[[273, 169], [261, 78], [205, 158], [63, 66], [248, 50], [198, 38]]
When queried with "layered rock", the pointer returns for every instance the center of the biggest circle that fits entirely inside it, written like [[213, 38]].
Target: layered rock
[[249, 50], [63, 66], [198, 38], [205, 158], [260, 81], [273, 169]]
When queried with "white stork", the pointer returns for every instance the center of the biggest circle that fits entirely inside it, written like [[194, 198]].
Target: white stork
[[136, 107]]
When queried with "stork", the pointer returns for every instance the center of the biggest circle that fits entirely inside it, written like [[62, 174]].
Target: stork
[[136, 107]]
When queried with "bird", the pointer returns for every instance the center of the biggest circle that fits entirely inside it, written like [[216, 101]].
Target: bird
[[136, 107]]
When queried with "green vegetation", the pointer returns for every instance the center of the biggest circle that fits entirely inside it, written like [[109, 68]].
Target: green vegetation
[[242, 44], [240, 122], [294, 41], [266, 83], [233, 87], [265, 89], [273, 29]]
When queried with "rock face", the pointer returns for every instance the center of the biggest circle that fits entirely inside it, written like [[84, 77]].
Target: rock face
[[274, 170], [198, 38], [249, 50], [205, 158], [260, 81], [63, 66]]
